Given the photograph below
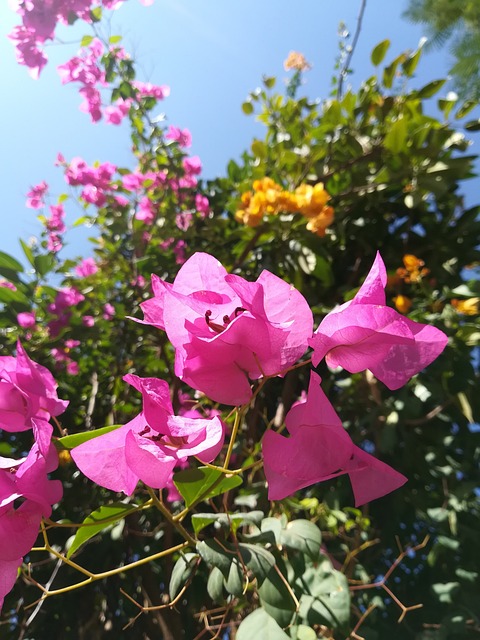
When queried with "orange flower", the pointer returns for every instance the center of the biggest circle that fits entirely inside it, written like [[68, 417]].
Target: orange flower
[[320, 223], [468, 307], [297, 61], [413, 271], [402, 303]]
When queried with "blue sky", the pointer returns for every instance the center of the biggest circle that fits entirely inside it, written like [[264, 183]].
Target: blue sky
[[212, 53]]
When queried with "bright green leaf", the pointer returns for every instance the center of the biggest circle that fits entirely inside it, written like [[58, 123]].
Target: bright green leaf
[[396, 138], [203, 483], [379, 52], [86, 40], [431, 88], [247, 108], [76, 439], [99, 520], [7, 262]]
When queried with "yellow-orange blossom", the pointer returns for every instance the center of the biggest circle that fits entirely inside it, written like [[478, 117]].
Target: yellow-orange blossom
[[268, 198]]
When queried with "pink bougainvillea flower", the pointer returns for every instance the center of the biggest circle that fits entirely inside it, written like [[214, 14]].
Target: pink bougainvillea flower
[[149, 446], [318, 449], [88, 321], [86, 267], [227, 331], [35, 196], [182, 136], [26, 319], [26, 480], [108, 311], [28, 397], [365, 334]]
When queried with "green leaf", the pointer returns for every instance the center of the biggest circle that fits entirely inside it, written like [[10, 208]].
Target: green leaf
[[465, 406], [182, 572], [86, 40], [306, 633], [389, 73], [229, 521], [215, 555], [215, 585], [260, 625], [81, 220], [27, 251], [465, 109], [96, 14], [115, 39], [269, 81], [445, 591], [43, 263], [473, 125], [234, 580], [326, 597], [379, 52], [203, 483], [410, 64], [99, 520], [8, 295], [259, 149], [304, 536], [396, 139], [431, 88], [76, 439], [258, 560], [7, 262], [275, 596], [247, 108]]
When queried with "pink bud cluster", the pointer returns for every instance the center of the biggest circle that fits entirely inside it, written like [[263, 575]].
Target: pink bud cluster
[[28, 400]]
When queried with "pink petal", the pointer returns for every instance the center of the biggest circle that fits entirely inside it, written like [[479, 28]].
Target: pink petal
[[371, 478], [8, 576], [148, 461], [103, 459]]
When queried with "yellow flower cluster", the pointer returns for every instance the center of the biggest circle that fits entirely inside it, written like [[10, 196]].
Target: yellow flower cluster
[[414, 270], [470, 307], [268, 198]]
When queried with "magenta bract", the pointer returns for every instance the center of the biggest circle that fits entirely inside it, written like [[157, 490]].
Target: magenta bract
[[365, 334], [149, 446], [227, 331], [319, 449]]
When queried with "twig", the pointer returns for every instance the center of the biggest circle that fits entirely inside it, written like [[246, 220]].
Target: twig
[[346, 66]]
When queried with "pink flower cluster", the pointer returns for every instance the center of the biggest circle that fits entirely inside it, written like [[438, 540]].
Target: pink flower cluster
[[55, 227], [35, 197], [99, 184], [28, 399], [66, 297], [227, 332], [97, 181], [39, 21]]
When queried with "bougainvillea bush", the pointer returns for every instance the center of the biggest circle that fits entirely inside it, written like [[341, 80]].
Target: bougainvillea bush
[[250, 410]]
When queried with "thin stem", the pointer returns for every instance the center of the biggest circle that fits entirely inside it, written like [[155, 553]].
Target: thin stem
[[346, 66], [175, 523], [93, 577], [233, 437]]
